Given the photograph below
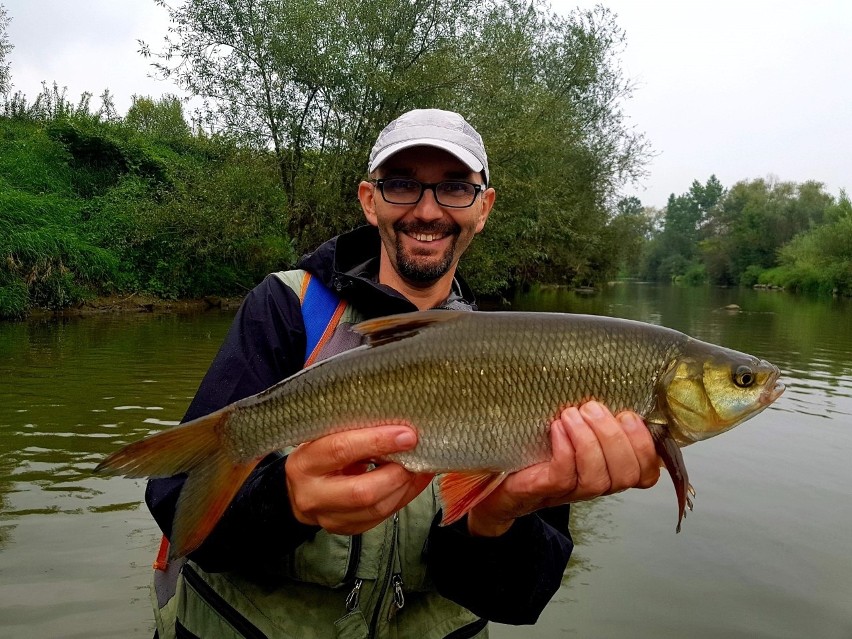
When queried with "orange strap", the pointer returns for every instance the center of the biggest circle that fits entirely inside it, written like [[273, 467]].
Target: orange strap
[[162, 560]]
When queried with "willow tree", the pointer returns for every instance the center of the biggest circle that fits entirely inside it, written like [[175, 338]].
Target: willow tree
[[315, 80]]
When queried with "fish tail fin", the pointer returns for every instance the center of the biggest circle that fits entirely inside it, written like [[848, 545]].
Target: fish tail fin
[[205, 495], [460, 492], [213, 477]]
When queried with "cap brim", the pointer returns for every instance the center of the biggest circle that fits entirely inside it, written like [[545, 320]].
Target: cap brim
[[468, 158]]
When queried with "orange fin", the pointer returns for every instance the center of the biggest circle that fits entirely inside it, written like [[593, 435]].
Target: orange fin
[[669, 452], [213, 478], [396, 327], [462, 491]]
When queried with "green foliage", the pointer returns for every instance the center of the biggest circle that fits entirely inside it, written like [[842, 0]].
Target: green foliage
[[820, 260], [752, 275], [161, 119], [44, 252], [695, 274], [754, 221], [759, 232], [544, 91], [90, 207], [675, 249]]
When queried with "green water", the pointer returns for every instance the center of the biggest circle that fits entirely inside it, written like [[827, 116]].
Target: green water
[[767, 552]]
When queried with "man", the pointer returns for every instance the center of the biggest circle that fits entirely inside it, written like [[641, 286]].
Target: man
[[323, 543]]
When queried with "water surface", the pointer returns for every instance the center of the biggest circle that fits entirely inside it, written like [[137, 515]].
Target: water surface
[[767, 552]]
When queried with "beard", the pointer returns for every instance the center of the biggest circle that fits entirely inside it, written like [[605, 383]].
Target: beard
[[415, 268]]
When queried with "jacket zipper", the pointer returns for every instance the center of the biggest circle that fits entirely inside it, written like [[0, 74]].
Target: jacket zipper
[[389, 578], [218, 603]]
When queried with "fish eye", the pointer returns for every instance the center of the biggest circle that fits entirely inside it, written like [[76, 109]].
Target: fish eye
[[744, 377]]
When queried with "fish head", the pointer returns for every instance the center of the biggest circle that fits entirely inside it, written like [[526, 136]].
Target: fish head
[[708, 390]]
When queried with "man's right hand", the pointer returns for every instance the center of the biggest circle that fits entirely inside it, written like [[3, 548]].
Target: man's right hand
[[331, 485]]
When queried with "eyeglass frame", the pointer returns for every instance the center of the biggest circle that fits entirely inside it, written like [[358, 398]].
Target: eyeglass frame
[[430, 186]]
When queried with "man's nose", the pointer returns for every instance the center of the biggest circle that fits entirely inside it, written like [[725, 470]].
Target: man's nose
[[428, 208]]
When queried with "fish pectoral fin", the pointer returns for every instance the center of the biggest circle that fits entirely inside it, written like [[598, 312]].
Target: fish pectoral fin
[[669, 452], [396, 327], [462, 491]]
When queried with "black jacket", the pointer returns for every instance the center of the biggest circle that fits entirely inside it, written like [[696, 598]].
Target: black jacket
[[508, 579]]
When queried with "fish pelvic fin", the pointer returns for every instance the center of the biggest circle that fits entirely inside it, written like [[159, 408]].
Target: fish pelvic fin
[[460, 492], [213, 477], [396, 327], [669, 452]]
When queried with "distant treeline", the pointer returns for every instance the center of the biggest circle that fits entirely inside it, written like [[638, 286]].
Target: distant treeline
[[759, 232]]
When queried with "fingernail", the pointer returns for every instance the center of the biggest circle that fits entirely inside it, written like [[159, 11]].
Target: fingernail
[[631, 421], [406, 439], [592, 409]]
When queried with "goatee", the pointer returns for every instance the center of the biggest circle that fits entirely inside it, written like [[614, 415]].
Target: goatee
[[412, 268]]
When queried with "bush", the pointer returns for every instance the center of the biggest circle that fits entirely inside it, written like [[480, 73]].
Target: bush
[[751, 275]]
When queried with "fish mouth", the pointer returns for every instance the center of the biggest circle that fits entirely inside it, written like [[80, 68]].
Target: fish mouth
[[771, 393]]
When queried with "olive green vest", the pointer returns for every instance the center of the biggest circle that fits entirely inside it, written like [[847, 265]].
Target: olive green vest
[[369, 585]]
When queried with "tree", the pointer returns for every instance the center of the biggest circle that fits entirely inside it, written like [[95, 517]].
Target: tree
[[685, 221], [821, 259], [314, 81], [5, 48], [161, 118], [753, 221]]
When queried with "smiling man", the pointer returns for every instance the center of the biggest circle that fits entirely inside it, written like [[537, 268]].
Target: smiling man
[[327, 542]]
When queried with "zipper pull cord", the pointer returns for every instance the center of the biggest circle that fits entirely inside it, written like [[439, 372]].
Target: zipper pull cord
[[353, 596], [398, 596]]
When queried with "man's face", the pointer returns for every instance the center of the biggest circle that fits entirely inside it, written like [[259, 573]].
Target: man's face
[[423, 242]]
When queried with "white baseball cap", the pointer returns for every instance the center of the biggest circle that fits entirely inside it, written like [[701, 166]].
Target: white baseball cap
[[431, 127]]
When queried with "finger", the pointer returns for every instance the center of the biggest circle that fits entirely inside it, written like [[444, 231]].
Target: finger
[[622, 465], [333, 453], [353, 520], [643, 446], [343, 493], [562, 470], [592, 475]]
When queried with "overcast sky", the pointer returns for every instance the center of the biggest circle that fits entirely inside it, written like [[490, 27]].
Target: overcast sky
[[740, 89]]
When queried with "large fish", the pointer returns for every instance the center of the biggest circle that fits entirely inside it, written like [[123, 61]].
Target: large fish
[[481, 389]]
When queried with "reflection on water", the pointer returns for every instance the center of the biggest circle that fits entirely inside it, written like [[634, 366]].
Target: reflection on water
[[75, 549], [767, 552]]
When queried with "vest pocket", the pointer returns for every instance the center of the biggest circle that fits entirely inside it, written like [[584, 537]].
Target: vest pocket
[[204, 613], [326, 560]]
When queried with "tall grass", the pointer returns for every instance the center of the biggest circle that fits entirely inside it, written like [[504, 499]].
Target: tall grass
[[90, 208]]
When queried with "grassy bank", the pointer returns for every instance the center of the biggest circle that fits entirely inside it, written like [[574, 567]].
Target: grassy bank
[[91, 208]]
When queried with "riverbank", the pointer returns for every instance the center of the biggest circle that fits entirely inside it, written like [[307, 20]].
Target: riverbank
[[137, 303]]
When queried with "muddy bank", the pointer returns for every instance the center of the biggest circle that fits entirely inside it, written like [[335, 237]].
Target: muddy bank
[[139, 304]]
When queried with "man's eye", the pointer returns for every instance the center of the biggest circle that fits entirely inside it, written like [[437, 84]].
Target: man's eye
[[456, 188], [402, 186]]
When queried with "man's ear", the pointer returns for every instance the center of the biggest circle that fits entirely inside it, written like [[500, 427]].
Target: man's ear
[[367, 197], [487, 198]]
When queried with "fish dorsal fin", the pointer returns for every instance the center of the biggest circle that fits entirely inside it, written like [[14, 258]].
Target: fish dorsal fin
[[392, 328]]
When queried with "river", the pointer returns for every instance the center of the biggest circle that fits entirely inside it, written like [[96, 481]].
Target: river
[[766, 553]]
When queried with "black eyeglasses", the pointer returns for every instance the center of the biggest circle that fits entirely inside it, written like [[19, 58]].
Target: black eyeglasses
[[451, 193]]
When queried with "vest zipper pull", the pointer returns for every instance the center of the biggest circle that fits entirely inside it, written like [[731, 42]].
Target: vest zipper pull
[[398, 596], [353, 596]]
